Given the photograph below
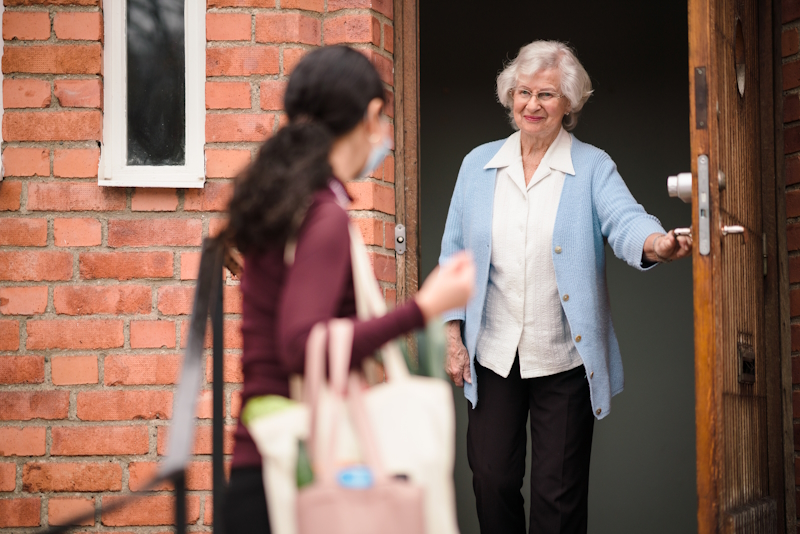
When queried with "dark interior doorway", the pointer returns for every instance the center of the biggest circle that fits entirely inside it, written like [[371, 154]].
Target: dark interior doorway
[[643, 460]]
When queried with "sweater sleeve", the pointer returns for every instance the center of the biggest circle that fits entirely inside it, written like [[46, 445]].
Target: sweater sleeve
[[315, 286]]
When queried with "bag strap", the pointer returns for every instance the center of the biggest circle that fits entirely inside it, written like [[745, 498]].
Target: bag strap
[[370, 303]]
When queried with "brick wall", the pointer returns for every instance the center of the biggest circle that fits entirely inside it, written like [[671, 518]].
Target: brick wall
[[96, 283]]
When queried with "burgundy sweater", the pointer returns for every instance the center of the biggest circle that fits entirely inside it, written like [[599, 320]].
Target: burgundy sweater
[[281, 304]]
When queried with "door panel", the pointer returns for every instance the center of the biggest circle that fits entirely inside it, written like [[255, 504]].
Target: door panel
[[731, 359]]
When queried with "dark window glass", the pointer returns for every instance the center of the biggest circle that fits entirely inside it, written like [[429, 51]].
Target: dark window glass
[[156, 83]]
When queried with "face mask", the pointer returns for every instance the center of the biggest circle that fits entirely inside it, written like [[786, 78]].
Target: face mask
[[376, 156]]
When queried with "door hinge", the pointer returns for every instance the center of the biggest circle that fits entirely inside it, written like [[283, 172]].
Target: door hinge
[[764, 251]]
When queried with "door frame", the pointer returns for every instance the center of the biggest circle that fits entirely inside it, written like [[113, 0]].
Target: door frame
[[776, 288]]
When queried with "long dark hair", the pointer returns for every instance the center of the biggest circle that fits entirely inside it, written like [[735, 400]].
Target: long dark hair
[[327, 96]]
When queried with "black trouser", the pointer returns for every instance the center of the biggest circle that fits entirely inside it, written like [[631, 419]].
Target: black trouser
[[561, 433], [245, 507]]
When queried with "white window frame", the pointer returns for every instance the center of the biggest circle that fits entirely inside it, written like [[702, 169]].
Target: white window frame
[[114, 170]]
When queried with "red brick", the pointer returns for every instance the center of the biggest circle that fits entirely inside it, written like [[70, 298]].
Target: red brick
[[190, 265], [31, 25], [123, 405], [388, 40], [353, 29], [24, 232], [791, 108], [155, 369], [287, 28], [385, 7], [227, 95], [22, 441], [9, 335], [153, 510], [241, 61], [175, 300], [389, 235], [64, 511], [76, 232], [371, 196], [74, 334], [153, 232], [152, 334], [21, 512], [795, 337], [231, 334], [79, 93], [74, 196], [371, 230], [26, 162], [291, 57], [791, 140], [234, 127], [390, 295], [10, 194], [154, 199], [231, 369], [272, 92], [791, 75], [78, 26], [52, 2], [50, 476], [790, 10], [76, 163], [125, 265], [27, 405], [21, 369], [794, 270], [388, 108], [198, 476], [241, 3], [72, 370], [23, 300], [384, 266], [216, 226], [225, 163], [53, 126], [202, 440], [90, 300], [793, 203], [215, 196], [100, 440], [306, 5], [236, 403], [790, 44], [26, 266], [8, 476], [25, 93], [53, 59], [231, 299], [228, 26], [382, 64]]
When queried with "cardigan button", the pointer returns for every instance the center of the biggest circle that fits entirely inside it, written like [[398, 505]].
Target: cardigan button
[[578, 339], [566, 298], [599, 411], [558, 250], [591, 375]]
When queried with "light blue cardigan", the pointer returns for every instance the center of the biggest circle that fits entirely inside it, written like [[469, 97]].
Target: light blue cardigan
[[595, 204]]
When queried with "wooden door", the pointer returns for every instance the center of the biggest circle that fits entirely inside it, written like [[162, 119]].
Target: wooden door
[[738, 382]]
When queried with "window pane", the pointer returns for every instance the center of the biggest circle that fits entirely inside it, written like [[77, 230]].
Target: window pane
[[156, 83]]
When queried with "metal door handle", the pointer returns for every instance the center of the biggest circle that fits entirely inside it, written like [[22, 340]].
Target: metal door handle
[[682, 232], [734, 229], [680, 186]]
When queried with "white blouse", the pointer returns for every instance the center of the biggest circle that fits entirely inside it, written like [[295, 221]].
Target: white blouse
[[523, 307]]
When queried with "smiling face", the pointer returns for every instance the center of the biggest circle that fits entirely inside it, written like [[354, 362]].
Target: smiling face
[[534, 118]]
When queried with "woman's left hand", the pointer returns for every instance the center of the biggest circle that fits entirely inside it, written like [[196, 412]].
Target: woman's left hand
[[668, 247]]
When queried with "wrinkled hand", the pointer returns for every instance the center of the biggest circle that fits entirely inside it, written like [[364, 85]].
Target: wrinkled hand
[[457, 363], [669, 247]]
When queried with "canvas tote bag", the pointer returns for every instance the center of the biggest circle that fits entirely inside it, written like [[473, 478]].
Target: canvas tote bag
[[386, 505]]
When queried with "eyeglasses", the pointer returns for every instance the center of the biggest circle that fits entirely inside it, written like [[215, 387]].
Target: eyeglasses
[[524, 95]]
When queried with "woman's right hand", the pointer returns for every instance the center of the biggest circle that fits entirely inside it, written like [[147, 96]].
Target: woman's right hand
[[448, 287], [457, 363]]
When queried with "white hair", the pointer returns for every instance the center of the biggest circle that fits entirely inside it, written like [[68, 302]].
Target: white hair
[[539, 55]]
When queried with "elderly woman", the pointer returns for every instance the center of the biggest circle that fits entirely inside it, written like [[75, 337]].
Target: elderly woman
[[535, 209]]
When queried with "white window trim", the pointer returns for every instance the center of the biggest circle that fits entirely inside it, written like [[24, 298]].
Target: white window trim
[[114, 170]]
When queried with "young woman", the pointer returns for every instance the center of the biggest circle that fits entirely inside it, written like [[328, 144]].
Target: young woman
[[293, 192]]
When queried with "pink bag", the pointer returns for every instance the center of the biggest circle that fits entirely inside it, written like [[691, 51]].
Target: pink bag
[[389, 505]]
